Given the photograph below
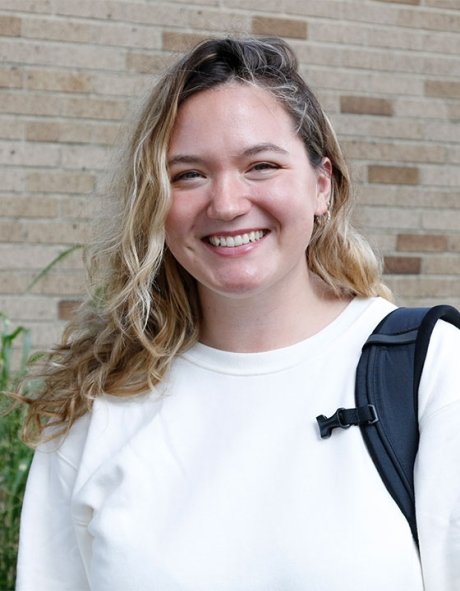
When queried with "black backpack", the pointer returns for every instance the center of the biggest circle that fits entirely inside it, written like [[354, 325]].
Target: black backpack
[[386, 395]]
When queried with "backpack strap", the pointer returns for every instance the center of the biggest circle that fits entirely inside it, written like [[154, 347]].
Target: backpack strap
[[387, 380]]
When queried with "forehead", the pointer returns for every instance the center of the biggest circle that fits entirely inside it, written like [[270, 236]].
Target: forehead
[[232, 110]]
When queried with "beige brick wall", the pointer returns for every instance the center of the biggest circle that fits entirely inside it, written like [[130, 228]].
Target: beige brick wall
[[388, 72]]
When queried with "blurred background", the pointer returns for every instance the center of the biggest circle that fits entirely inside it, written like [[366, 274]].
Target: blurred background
[[387, 72]]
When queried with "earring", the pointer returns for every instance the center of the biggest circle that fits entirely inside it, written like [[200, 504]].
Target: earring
[[323, 219]]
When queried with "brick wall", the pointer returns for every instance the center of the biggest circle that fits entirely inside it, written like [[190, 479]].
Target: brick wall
[[388, 73]]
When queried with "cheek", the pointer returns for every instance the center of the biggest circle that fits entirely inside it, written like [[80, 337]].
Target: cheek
[[171, 224], [185, 209], [180, 228], [294, 204], [176, 219], [174, 239]]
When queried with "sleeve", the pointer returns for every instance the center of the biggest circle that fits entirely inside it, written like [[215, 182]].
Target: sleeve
[[437, 468], [48, 558]]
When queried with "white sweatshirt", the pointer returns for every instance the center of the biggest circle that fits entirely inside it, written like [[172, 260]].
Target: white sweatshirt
[[219, 480]]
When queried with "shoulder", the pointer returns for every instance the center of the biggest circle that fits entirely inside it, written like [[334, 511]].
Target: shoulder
[[445, 339], [362, 316], [102, 431], [439, 384]]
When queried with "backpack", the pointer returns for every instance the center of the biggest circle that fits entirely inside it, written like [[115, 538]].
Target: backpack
[[386, 395]]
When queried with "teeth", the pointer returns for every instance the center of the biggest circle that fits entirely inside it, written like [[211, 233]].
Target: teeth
[[239, 240]]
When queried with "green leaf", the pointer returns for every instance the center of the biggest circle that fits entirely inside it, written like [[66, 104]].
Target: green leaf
[[53, 263]]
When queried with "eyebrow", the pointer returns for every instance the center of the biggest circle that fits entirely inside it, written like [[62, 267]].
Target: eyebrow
[[266, 147], [251, 151]]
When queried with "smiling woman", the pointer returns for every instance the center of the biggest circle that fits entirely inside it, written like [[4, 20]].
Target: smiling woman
[[244, 197], [231, 297]]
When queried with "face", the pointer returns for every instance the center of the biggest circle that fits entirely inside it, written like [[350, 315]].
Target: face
[[244, 194]]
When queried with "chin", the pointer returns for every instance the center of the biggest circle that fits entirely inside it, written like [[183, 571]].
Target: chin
[[236, 290]]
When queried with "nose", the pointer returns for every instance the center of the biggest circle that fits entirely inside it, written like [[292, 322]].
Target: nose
[[228, 199]]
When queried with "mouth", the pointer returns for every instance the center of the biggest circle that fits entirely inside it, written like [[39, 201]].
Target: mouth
[[236, 239]]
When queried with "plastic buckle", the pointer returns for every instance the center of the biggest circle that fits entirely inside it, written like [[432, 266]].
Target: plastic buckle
[[326, 425], [342, 425], [375, 416]]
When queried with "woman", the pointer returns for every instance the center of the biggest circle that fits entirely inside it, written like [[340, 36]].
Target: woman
[[231, 299]]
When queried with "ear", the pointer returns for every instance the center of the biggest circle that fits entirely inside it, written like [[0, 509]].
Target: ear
[[323, 186]]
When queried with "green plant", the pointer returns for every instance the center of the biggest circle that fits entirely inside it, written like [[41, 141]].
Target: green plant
[[62, 255], [15, 457]]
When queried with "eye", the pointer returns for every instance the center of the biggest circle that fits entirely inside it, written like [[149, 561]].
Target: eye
[[260, 170], [187, 175], [260, 166]]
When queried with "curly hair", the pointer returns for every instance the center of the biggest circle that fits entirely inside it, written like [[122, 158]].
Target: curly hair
[[142, 308]]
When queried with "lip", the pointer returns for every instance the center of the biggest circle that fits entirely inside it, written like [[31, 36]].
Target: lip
[[238, 232], [246, 240]]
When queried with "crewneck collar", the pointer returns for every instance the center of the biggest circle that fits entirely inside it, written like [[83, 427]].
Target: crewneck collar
[[278, 359]]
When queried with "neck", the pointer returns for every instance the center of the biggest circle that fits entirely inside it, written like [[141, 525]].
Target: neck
[[266, 322]]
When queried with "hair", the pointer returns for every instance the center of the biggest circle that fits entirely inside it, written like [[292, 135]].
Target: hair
[[142, 308]]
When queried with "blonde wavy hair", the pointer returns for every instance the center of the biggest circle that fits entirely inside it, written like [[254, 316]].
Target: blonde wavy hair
[[142, 308]]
